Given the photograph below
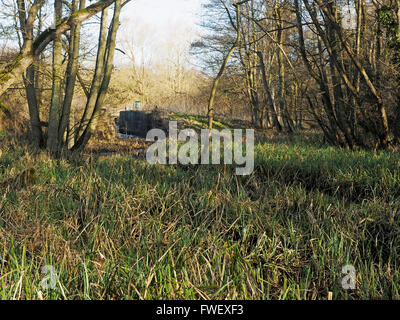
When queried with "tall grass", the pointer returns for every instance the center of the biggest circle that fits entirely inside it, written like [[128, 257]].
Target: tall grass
[[118, 228]]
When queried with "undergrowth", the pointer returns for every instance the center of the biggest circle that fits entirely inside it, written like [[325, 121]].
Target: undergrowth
[[119, 228]]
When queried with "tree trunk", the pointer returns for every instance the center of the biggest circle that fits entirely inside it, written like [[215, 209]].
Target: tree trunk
[[97, 78], [33, 106], [107, 70], [270, 98], [55, 105], [222, 69], [67, 116]]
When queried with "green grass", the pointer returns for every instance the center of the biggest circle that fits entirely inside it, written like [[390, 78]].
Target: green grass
[[122, 229], [199, 122]]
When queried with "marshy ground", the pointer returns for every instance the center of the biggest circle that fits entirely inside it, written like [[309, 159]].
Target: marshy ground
[[115, 227]]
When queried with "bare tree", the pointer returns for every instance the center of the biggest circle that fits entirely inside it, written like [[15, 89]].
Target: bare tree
[[224, 63], [31, 48], [62, 131]]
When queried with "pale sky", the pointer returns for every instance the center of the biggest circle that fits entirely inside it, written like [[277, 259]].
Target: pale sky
[[150, 26], [162, 12]]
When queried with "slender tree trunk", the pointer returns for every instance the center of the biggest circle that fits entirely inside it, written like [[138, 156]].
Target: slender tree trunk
[[33, 106], [287, 120], [342, 113], [67, 121], [109, 63], [30, 77], [55, 105], [222, 69], [97, 78], [270, 98], [107, 70]]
